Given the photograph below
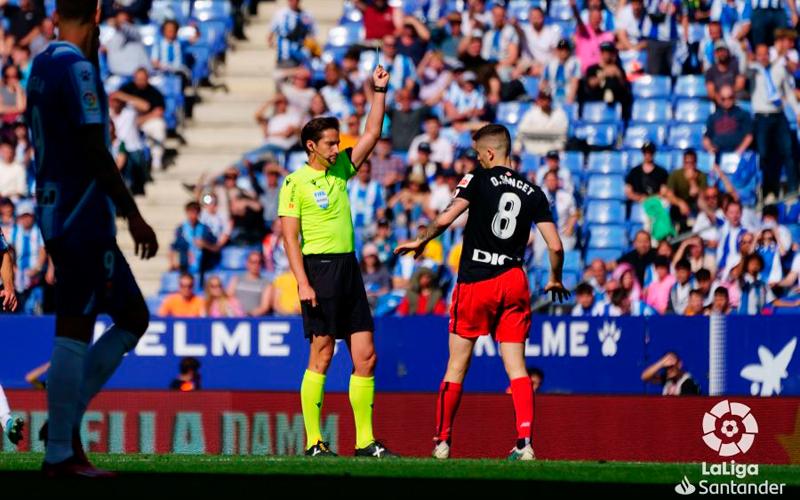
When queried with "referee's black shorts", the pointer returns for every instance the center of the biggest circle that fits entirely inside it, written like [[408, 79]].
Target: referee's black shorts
[[342, 306]]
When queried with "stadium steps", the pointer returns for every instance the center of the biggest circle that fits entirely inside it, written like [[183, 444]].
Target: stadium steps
[[222, 130]]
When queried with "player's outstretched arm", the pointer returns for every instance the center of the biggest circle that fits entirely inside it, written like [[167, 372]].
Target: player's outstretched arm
[[372, 131], [108, 177], [556, 250], [441, 222], [9, 296]]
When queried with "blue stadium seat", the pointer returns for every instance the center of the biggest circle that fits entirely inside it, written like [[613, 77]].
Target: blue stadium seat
[[637, 214], [345, 36], [520, 9], [202, 61], [637, 135], [162, 10], [795, 230], [531, 84], [351, 14], [510, 113], [148, 34], [541, 276], [650, 86], [690, 86], [604, 254], [529, 162], [207, 10], [651, 111], [744, 173], [746, 106], [169, 282], [608, 236], [561, 10], [605, 162], [572, 261], [170, 86], [572, 160], [600, 112], [684, 136], [566, 27], [234, 258], [598, 134], [154, 303], [693, 110], [604, 212], [606, 187], [215, 33], [705, 160]]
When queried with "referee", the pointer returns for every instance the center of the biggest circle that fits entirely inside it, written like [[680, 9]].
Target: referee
[[313, 204]]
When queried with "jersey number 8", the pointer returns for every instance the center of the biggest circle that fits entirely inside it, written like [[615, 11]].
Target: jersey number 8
[[505, 220]]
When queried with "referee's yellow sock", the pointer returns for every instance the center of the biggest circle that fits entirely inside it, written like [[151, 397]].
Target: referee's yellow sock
[[312, 391], [362, 397]]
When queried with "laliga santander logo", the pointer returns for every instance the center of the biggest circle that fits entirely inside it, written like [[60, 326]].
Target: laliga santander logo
[[729, 428]]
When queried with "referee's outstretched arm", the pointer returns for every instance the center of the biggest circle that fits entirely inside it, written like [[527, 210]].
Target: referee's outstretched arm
[[372, 132]]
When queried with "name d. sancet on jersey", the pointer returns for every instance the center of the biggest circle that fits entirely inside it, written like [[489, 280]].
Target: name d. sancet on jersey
[[502, 208]]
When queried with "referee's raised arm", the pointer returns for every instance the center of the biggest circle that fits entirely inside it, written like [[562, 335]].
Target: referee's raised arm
[[372, 131]]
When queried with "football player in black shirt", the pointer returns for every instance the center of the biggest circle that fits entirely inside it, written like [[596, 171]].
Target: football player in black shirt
[[492, 294]]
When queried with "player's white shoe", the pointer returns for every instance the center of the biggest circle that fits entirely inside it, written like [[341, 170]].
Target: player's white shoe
[[525, 453], [442, 451]]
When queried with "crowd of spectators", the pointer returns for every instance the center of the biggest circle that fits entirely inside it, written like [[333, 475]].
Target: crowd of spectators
[[664, 134], [662, 225], [154, 55]]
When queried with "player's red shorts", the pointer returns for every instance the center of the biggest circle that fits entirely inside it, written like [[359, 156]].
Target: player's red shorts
[[500, 306]]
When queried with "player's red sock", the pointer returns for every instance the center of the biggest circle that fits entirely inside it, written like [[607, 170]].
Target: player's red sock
[[446, 407], [522, 394]]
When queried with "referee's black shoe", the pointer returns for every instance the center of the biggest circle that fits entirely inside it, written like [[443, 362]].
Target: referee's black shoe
[[321, 449], [375, 450]]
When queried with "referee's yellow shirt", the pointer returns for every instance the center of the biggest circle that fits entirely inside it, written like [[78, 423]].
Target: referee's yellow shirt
[[319, 199]]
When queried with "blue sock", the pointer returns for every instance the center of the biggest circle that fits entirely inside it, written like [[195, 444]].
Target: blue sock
[[63, 389], [104, 357]]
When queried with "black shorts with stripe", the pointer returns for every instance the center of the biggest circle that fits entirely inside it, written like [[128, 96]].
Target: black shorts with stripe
[[342, 306]]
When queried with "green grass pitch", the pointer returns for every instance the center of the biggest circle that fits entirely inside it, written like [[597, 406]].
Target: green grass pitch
[[541, 470]]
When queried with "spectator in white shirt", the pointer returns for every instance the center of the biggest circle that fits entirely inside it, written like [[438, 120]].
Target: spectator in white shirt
[[442, 190], [442, 150], [552, 163], [13, 183], [282, 126], [630, 19], [540, 41], [543, 127], [565, 215]]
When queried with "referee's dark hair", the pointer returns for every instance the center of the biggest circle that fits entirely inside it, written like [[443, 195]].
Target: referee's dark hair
[[312, 131], [498, 133], [82, 11]]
